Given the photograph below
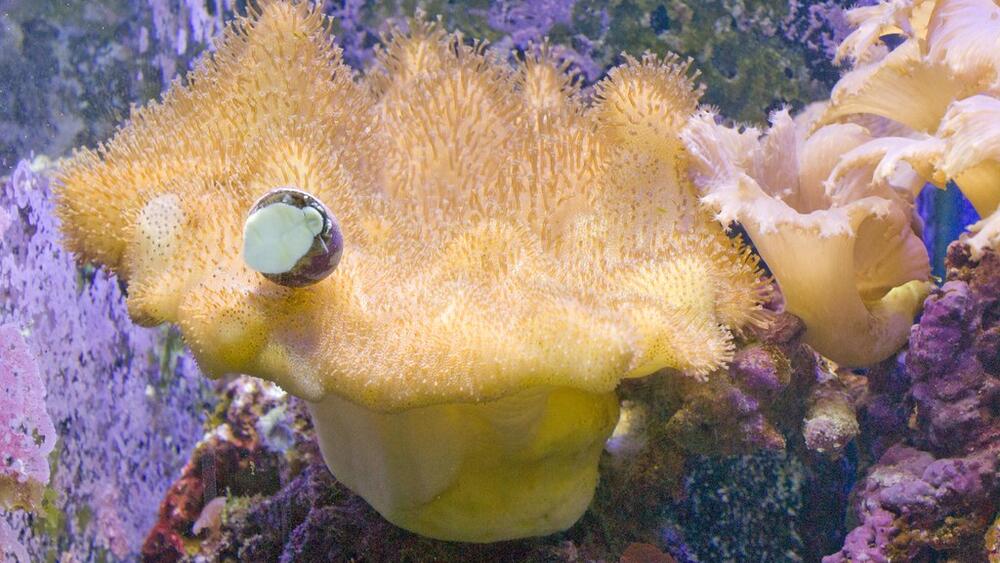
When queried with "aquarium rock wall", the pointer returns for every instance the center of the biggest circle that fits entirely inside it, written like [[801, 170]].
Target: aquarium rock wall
[[76, 68], [126, 403]]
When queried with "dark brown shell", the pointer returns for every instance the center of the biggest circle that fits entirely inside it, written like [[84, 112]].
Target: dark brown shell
[[326, 250]]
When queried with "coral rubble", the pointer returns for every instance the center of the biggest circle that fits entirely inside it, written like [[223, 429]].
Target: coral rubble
[[233, 460]]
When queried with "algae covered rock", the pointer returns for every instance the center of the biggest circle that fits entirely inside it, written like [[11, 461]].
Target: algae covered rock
[[935, 492]]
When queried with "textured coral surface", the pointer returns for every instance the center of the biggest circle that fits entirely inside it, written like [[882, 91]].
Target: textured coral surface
[[499, 234], [27, 436], [511, 252]]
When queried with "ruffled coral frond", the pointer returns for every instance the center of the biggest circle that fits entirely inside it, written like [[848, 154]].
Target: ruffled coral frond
[[498, 233], [964, 35], [941, 84], [864, 44], [841, 253], [970, 132], [920, 95]]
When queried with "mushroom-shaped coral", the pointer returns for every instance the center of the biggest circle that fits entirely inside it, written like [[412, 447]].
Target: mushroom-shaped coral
[[845, 254], [505, 261]]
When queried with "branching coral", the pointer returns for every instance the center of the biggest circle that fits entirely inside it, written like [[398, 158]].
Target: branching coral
[[842, 248], [509, 255]]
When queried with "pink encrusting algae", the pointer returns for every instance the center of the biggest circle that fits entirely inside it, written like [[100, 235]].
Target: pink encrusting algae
[[27, 436]]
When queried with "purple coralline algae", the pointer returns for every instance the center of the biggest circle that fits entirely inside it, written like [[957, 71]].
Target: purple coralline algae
[[527, 25], [92, 60], [819, 26], [936, 491], [10, 548], [127, 407], [775, 388], [354, 37], [528, 22]]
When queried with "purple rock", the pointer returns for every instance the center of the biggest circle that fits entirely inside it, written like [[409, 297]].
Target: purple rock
[[933, 494], [758, 371]]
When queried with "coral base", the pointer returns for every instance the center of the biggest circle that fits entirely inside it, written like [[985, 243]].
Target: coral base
[[524, 465]]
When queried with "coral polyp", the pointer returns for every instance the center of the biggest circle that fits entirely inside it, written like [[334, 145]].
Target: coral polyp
[[510, 254]]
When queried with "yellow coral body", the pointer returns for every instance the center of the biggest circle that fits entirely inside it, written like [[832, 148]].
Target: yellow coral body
[[510, 255], [523, 465]]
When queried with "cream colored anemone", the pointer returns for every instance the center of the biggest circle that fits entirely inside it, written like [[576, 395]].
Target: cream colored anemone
[[848, 262]]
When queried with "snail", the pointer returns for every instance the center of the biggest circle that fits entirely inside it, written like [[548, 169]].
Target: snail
[[291, 238]]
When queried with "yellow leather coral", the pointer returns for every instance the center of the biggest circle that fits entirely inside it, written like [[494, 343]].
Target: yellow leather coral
[[508, 256]]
